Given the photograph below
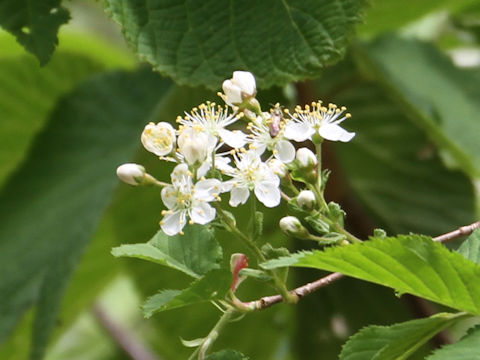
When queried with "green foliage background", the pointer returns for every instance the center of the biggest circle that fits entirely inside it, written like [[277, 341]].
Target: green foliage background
[[66, 125]]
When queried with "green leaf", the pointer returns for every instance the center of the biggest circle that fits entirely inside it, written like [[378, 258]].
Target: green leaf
[[448, 114], [213, 286], [470, 248], [202, 42], [194, 253], [50, 207], [467, 348], [409, 264], [35, 24], [227, 355], [397, 341]]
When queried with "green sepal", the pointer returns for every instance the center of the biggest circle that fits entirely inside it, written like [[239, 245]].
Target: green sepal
[[274, 253], [325, 176], [336, 213], [255, 274], [379, 233], [258, 225], [317, 224]]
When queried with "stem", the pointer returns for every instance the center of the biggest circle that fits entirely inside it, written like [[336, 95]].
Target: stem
[[213, 334], [279, 284]]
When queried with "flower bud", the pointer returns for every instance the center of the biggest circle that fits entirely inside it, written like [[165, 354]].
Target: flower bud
[[132, 174], [306, 158], [306, 199], [237, 262], [193, 145], [241, 87], [291, 226], [159, 139]]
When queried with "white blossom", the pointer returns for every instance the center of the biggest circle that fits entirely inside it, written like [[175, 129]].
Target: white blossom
[[261, 138], [184, 199], [213, 120], [159, 139], [251, 174], [242, 86], [132, 174], [318, 119], [290, 225]]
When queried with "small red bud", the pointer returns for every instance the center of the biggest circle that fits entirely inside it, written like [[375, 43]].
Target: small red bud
[[237, 262]]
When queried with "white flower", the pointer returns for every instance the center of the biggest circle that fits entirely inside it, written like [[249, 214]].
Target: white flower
[[185, 199], [159, 139], [262, 139], [306, 199], [214, 120], [194, 145], [306, 158], [242, 86], [252, 174], [132, 174], [278, 167], [324, 120]]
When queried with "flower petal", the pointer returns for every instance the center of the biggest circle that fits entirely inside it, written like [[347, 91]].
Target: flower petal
[[169, 196], [232, 92], [239, 195], [268, 194], [335, 132], [298, 131], [173, 223], [207, 190], [285, 151], [234, 139], [202, 213]]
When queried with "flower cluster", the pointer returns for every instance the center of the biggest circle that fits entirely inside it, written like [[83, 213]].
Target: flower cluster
[[236, 148]]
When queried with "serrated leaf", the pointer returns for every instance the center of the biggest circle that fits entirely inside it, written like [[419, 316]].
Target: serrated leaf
[[213, 286], [467, 348], [227, 355], [194, 253], [409, 264], [470, 248], [202, 42], [35, 24], [448, 115], [397, 341], [52, 204]]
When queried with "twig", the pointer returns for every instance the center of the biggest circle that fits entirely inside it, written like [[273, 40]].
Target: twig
[[126, 340], [306, 289]]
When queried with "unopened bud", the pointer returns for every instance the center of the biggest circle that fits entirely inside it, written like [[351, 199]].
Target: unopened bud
[[241, 87], [291, 226], [237, 262], [306, 199], [193, 145], [306, 158], [132, 174]]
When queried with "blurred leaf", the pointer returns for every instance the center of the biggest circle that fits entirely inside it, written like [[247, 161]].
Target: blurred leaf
[[29, 92], [52, 204], [410, 70], [202, 42], [227, 355], [467, 348], [397, 341], [470, 248], [409, 264], [194, 253], [213, 286], [403, 187], [34, 23], [386, 15]]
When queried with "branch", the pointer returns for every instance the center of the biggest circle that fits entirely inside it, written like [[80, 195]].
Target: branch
[[306, 289], [126, 340]]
